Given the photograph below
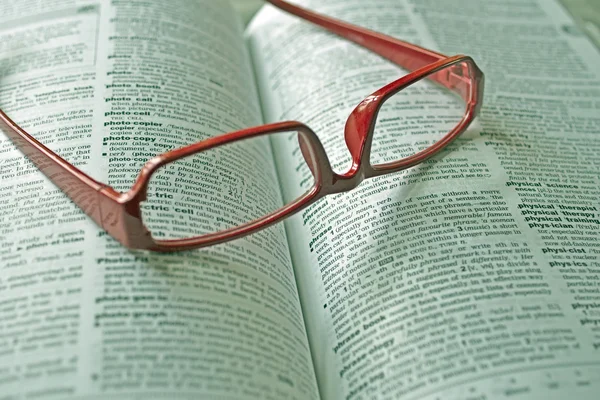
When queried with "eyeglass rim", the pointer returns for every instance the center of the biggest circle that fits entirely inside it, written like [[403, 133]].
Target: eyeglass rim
[[371, 108], [326, 181]]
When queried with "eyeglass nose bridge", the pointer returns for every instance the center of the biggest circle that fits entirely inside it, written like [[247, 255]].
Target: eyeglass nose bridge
[[358, 135], [358, 130]]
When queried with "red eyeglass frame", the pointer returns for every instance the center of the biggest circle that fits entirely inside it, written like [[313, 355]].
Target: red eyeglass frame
[[119, 214]]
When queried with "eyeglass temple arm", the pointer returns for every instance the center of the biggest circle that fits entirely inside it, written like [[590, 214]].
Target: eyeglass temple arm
[[404, 54], [79, 187]]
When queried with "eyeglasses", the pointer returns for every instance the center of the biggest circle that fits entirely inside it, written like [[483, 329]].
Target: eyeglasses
[[164, 211]]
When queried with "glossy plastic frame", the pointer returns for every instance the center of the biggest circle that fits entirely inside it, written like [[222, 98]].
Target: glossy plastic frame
[[120, 215]]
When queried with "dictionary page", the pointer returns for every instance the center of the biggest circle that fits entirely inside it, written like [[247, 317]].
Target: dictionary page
[[476, 274], [108, 85]]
